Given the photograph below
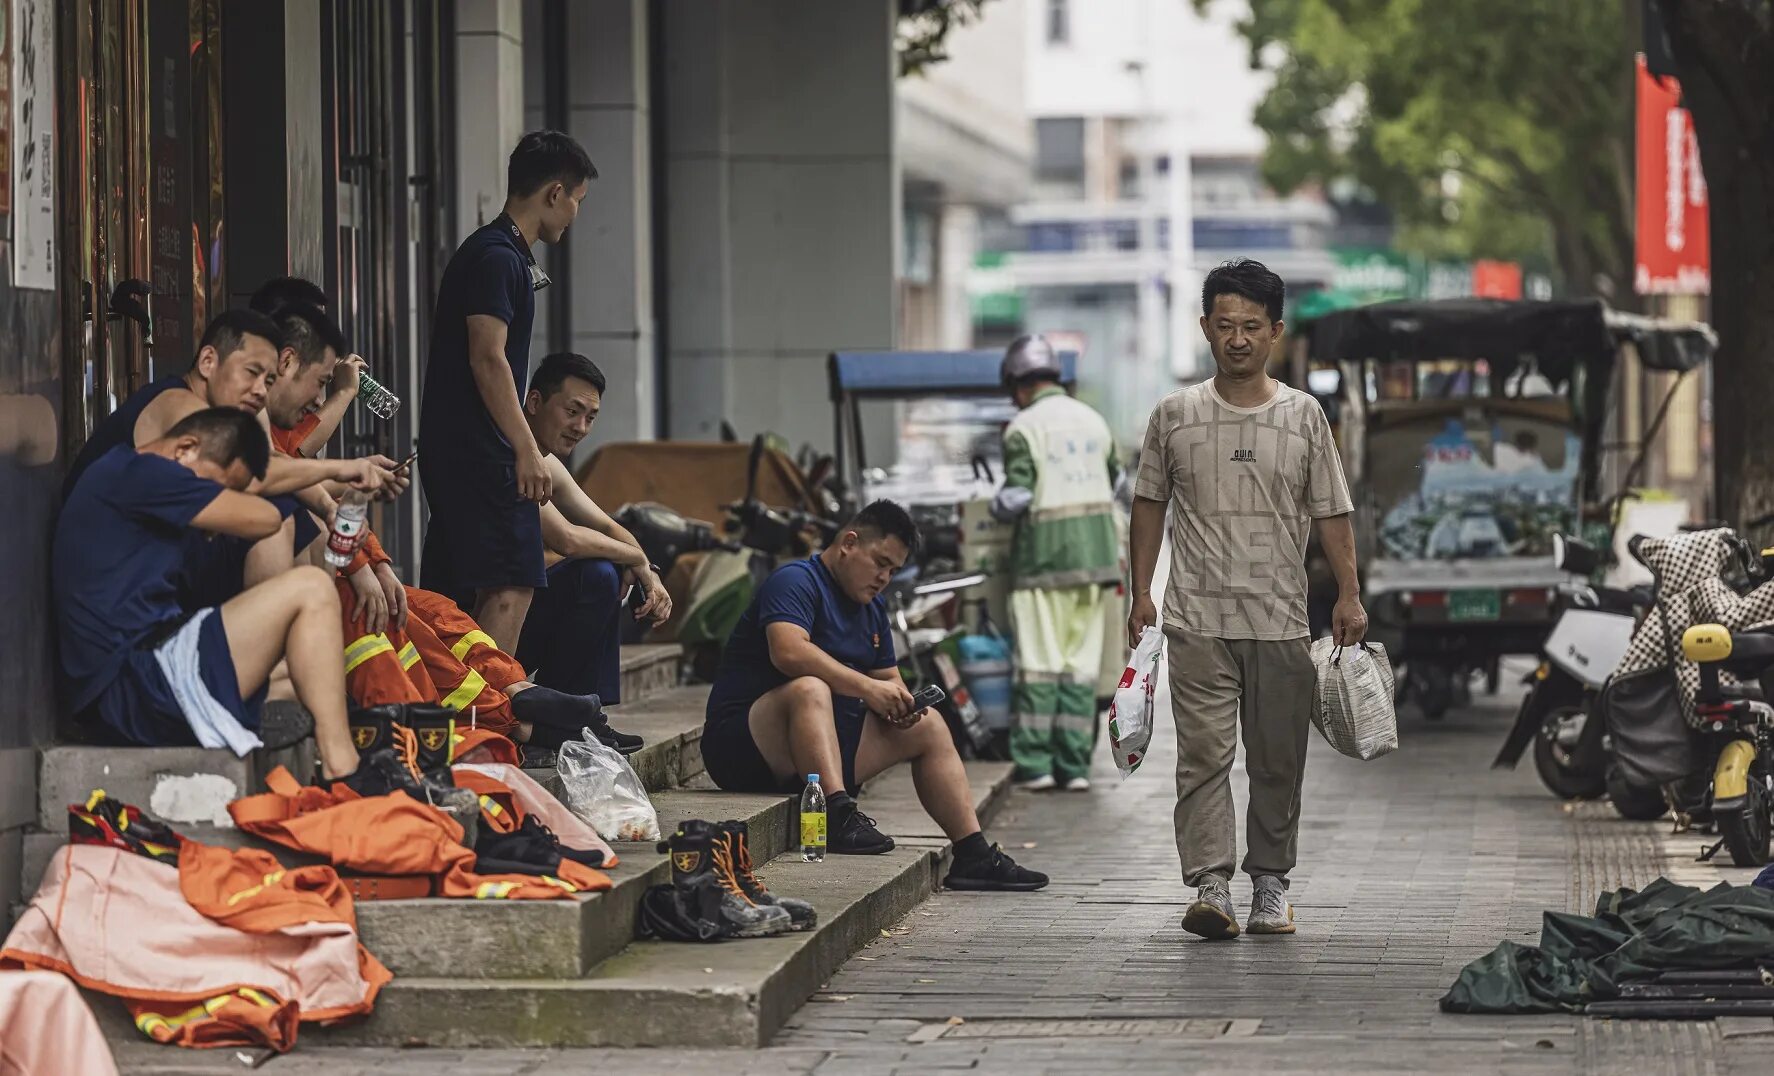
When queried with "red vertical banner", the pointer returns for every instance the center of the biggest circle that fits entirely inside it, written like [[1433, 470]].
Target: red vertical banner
[[1673, 247], [1496, 280]]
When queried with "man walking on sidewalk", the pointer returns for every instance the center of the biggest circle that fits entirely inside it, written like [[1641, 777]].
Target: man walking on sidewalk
[[1245, 464], [1059, 478]]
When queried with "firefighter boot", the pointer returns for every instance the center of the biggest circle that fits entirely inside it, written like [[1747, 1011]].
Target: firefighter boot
[[801, 914], [703, 871]]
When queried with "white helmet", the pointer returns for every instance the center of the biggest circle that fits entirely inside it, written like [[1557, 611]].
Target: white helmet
[[1029, 356]]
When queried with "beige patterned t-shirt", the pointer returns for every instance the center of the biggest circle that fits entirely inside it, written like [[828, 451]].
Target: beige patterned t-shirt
[[1244, 485]]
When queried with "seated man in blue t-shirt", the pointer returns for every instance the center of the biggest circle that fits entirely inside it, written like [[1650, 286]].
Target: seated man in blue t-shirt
[[137, 665], [809, 684]]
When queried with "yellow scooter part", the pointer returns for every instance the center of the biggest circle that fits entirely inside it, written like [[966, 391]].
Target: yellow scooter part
[[1706, 642], [1730, 779]]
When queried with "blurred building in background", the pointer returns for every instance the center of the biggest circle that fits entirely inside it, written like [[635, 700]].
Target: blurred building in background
[[1119, 91], [966, 152]]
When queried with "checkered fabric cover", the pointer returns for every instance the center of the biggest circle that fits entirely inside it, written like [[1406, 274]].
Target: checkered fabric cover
[[1691, 588]]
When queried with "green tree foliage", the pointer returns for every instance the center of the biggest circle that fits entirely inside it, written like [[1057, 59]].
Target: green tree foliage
[[1492, 128], [924, 27]]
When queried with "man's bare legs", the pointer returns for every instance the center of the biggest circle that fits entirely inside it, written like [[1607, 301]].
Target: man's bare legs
[[937, 772], [795, 732], [501, 612], [295, 615], [270, 557]]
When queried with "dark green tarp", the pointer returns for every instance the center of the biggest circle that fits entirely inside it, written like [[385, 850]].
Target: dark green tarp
[[1632, 936]]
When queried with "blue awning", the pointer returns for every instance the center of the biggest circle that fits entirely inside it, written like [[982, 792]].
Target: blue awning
[[920, 373]]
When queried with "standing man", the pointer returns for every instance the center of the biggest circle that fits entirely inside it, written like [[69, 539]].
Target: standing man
[[484, 476], [1059, 488], [1245, 464]]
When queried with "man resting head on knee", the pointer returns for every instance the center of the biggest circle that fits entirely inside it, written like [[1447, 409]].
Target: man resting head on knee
[[809, 683]]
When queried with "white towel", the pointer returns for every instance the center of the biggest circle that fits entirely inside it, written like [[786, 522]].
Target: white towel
[[181, 662]]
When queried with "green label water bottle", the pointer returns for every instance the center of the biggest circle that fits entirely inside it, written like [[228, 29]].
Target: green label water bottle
[[813, 821]]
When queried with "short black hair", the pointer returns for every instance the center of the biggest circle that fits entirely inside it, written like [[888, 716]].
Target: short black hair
[[282, 291], [1251, 279], [544, 157], [227, 332], [227, 434], [887, 519], [309, 333], [554, 370]]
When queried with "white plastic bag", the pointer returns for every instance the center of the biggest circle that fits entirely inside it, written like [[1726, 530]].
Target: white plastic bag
[[603, 790], [1130, 715], [1353, 708]]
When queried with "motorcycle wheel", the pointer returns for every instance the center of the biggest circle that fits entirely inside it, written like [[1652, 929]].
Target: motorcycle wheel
[[1632, 801], [1555, 744], [1746, 830], [1433, 688]]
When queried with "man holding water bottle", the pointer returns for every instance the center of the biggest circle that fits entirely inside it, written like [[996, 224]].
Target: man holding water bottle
[[1245, 465]]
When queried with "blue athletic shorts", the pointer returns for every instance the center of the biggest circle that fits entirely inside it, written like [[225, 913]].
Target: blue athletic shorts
[[139, 706]]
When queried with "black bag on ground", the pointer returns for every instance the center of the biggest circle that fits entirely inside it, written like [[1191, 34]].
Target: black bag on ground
[[1649, 736]]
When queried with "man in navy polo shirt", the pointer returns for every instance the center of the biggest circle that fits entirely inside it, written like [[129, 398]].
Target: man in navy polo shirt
[[809, 684], [148, 672], [484, 477]]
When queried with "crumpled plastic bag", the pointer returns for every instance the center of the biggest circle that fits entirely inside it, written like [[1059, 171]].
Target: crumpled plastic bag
[[603, 790], [1130, 714], [1353, 708]]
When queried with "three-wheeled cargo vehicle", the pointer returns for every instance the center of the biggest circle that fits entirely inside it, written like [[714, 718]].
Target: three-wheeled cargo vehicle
[[1471, 434]]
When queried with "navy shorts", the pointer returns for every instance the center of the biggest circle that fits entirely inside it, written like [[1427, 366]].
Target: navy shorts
[[139, 707], [481, 534], [735, 763]]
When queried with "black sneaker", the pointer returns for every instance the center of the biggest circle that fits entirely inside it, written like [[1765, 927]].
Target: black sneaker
[[623, 743], [994, 872], [856, 835], [800, 913], [383, 771], [284, 723], [703, 874]]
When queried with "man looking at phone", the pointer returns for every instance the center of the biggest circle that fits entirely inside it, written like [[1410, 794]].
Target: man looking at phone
[[809, 684]]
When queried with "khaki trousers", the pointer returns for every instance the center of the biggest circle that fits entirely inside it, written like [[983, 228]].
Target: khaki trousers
[[1216, 687]]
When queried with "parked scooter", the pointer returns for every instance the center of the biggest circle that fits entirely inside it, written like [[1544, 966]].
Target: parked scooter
[[1590, 634], [1739, 734], [922, 611]]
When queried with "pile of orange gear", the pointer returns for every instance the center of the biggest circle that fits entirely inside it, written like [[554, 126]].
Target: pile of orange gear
[[395, 835]]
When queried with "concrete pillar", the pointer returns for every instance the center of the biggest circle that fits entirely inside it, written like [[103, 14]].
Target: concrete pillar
[[489, 106], [784, 207], [958, 240], [611, 244]]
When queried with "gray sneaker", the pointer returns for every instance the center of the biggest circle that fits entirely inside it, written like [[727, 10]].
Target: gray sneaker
[[1270, 913], [1211, 915]]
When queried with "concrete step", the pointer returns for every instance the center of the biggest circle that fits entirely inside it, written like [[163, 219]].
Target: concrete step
[[183, 786], [664, 994], [499, 940], [670, 722], [650, 668]]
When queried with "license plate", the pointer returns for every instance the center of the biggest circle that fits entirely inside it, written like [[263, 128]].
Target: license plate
[[1475, 605]]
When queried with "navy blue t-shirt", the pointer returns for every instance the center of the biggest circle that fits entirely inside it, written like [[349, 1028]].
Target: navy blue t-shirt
[[489, 274], [805, 594], [118, 428], [119, 545]]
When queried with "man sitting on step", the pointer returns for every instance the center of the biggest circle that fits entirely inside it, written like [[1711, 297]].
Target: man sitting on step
[[572, 636], [809, 684], [142, 668]]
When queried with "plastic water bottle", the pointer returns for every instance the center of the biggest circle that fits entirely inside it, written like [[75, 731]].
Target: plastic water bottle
[[376, 397], [348, 525], [813, 821]]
